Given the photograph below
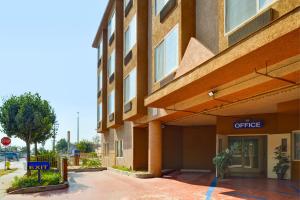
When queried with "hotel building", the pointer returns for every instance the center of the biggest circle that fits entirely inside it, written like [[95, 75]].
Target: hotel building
[[181, 80]]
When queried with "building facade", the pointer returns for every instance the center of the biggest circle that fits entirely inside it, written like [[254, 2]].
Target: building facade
[[181, 80]]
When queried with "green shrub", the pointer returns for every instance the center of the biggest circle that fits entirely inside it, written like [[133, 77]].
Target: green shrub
[[90, 163], [48, 178], [123, 168]]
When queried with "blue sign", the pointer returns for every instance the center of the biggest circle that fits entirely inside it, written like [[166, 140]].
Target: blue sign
[[38, 165], [248, 124]]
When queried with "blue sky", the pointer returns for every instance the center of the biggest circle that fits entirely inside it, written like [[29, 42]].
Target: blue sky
[[45, 47]]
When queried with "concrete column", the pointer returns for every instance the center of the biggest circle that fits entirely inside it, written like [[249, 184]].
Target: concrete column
[[155, 148]]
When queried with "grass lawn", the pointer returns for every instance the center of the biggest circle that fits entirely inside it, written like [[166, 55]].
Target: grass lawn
[[4, 172]]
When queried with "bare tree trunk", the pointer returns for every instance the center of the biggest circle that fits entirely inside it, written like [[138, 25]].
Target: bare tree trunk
[[35, 149], [28, 157]]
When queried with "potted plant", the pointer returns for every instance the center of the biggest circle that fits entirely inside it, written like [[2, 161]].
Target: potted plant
[[283, 163], [222, 160]]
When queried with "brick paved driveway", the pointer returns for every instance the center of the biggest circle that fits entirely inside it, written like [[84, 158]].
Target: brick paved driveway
[[110, 186]]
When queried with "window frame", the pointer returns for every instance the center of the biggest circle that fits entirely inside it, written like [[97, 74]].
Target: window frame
[[111, 68], [119, 149], [100, 49], [163, 40], [109, 102], [293, 145], [100, 80], [99, 116], [129, 30], [258, 12], [109, 25], [124, 86]]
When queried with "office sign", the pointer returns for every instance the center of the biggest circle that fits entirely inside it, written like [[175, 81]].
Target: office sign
[[38, 165], [248, 124]]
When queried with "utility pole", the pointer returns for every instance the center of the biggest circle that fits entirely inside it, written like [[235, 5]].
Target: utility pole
[[68, 140], [55, 129], [77, 127]]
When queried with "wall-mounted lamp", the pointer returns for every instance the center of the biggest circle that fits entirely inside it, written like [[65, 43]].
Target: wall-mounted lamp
[[212, 93]]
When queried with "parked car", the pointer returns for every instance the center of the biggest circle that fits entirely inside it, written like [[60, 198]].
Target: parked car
[[10, 156]]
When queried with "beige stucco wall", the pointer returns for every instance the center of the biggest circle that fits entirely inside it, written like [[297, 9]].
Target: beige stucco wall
[[207, 24], [274, 141], [189, 147]]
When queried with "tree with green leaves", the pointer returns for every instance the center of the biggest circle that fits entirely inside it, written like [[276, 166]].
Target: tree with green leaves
[[85, 146], [62, 145], [27, 117]]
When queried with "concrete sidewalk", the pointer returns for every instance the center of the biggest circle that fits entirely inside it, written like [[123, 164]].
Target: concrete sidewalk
[[6, 180]]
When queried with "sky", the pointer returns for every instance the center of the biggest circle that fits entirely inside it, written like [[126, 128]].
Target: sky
[[45, 47]]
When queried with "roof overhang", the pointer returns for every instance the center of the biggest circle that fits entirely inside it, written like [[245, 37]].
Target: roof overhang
[[103, 23]]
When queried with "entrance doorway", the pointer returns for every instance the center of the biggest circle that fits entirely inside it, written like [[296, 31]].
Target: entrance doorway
[[249, 158]]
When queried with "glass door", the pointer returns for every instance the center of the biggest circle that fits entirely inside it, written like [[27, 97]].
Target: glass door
[[248, 156]]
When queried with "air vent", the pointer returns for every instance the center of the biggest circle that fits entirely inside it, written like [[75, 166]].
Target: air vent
[[111, 78], [128, 58], [167, 9], [111, 117], [128, 7], [254, 25], [111, 39], [128, 107], [99, 62], [167, 79]]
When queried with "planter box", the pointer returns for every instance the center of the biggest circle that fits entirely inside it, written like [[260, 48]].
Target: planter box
[[88, 169], [38, 189], [133, 174]]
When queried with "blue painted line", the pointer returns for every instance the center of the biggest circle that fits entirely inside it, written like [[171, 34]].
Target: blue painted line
[[211, 188], [294, 187]]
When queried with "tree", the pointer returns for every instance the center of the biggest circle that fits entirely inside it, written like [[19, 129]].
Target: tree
[[27, 117], [62, 145], [85, 146], [96, 141]]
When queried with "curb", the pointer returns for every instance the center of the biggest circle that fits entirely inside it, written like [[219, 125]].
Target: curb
[[142, 175], [38, 189], [88, 170]]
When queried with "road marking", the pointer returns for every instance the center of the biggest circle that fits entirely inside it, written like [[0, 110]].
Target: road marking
[[211, 188]]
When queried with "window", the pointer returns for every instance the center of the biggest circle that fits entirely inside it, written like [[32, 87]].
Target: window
[[159, 5], [166, 55], [130, 36], [296, 146], [130, 86], [111, 25], [111, 102], [126, 3], [100, 49], [99, 112], [119, 148], [237, 11], [111, 64], [106, 149], [100, 78]]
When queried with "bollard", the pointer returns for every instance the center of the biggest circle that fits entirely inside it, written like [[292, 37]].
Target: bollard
[[64, 169], [76, 160]]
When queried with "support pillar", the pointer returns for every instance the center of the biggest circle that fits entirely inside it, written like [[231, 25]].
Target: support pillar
[[155, 148]]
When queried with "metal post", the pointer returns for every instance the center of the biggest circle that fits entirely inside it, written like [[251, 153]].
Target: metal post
[[68, 140], [5, 158], [77, 127], [39, 176]]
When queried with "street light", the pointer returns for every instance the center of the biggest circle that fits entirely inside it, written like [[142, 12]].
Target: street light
[[55, 129], [77, 127]]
